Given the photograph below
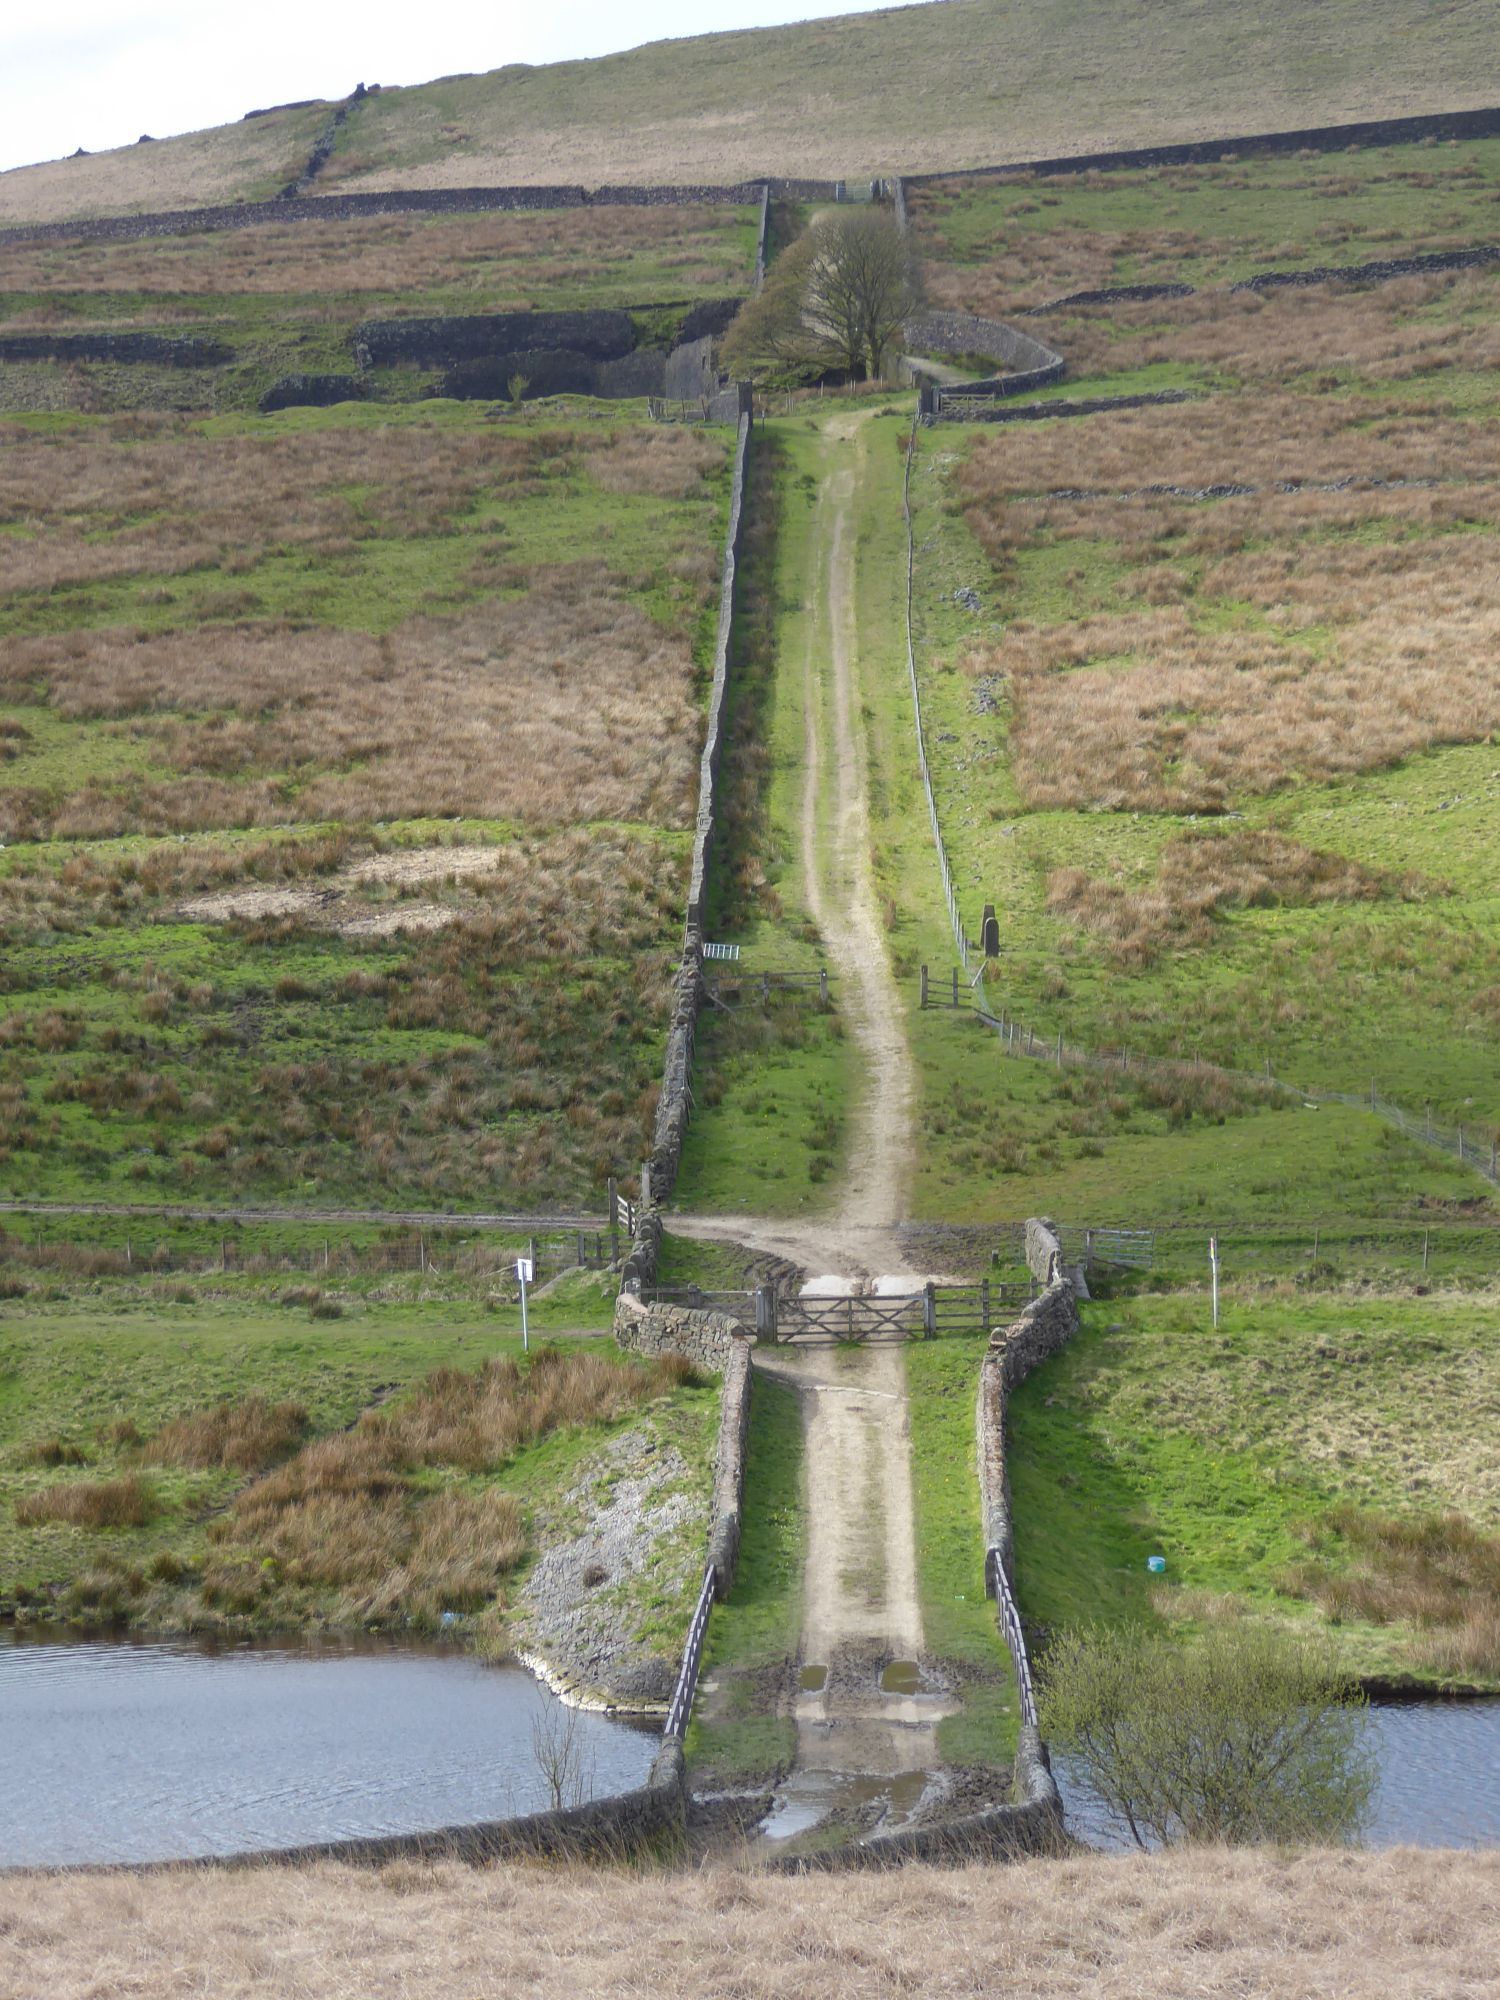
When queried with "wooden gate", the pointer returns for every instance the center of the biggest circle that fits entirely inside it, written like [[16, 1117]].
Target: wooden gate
[[936, 1309]]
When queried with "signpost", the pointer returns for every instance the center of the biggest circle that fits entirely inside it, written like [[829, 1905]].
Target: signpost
[[525, 1271]]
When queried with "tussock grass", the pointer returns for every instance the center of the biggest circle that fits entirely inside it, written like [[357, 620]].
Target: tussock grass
[[358, 1513], [244, 1436], [503, 261], [144, 493], [1298, 1926], [127, 1502], [477, 715], [1437, 1572], [1200, 876]]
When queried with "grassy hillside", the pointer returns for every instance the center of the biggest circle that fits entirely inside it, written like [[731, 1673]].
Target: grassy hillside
[[1361, 1504], [962, 83], [1224, 759], [230, 1467], [287, 298], [995, 246], [317, 875]]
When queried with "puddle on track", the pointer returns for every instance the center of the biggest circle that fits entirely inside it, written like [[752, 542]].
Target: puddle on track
[[809, 1797]]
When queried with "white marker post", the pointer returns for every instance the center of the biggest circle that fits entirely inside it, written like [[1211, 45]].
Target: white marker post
[[1213, 1265], [526, 1271]]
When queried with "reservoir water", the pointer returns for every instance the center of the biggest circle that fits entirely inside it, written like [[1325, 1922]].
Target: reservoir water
[[118, 1750], [1439, 1786]]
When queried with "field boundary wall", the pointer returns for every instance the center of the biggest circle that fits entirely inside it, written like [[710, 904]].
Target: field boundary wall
[[1438, 125], [409, 201], [687, 989]]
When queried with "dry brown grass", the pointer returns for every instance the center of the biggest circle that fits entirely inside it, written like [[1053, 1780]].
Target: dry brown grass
[[352, 1513], [567, 703], [1185, 721], [1208, 1924], [1438, 1572], [1390, 332], [127, 1502], [144, 495], [1252, 440], [246, 1436], [505, 260], [1264, 638], [1201, 876]]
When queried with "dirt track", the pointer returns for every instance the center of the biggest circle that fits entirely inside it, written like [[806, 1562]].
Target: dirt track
[[860, 1603], [859, 1240]]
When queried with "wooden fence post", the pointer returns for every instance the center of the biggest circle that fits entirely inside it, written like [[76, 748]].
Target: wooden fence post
[[823, 984], [929, 1311], [984, 1305], [955, 985], [924, 985]]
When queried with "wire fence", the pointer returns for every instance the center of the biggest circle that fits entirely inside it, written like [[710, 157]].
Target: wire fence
[[1478, 1149], [950, 894], [594, 1250]]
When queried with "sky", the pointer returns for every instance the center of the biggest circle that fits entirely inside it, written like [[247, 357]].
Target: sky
[[99, 73]]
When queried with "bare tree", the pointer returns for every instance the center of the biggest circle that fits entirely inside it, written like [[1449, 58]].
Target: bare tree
[[559, 1750], [834, 298], [861, 284]]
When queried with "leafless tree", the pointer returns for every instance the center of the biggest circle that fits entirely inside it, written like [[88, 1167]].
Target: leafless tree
[[558, 1746], [861, 284], [834, 298]]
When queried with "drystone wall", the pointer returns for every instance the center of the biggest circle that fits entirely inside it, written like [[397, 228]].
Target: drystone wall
[[1484, 124], [161, 349], [312, 391], [1025, 362], [1108, 295], [408, 201], [651, 1818], [708, 1339], [937, 405], [1379, 272], [676, 1097], [601, 333]]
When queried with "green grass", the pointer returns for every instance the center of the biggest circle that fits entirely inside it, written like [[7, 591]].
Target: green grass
[[309, 1003], [738, 1732], [1226, 1451], [69, 1372], [771, 1084], [958, 1620]]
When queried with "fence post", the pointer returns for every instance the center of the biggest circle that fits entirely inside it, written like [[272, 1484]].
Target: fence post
[[1424, 1249], [823, 984], [929, 1310], [955, 985], [924, 985], [765, 1313], [1059, 1049], [984, 1305]]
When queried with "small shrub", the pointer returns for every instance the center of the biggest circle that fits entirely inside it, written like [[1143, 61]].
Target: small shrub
[[129, 1502], [1244, 1735]]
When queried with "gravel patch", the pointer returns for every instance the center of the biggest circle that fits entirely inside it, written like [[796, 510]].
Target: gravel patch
[[574, 1621]]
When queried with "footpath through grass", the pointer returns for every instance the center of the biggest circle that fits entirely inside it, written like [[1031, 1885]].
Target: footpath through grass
[[958, 1620]]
